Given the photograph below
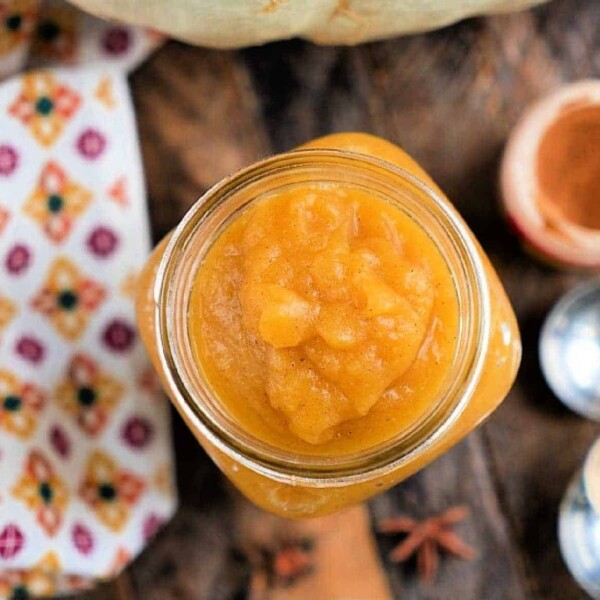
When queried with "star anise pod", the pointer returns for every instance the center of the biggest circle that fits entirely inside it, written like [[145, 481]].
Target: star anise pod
[[291, 560], [279, 565], [427, 538]]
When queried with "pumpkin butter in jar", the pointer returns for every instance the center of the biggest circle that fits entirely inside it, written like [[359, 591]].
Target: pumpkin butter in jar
[[326, 324]]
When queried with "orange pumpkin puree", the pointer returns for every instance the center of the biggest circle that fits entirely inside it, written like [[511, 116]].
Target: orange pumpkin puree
[[323, 315]]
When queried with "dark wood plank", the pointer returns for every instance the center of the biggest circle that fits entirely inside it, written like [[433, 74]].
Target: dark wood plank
[[308, 90], [461, 476], [537, 444], [199, 120]]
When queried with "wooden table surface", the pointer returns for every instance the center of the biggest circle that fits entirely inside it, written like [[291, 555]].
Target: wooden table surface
[[450, 98]]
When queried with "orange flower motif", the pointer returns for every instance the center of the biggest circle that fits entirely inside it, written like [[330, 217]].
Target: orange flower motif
[[105, 94], [88, 394], [20, 405], [130, 284], [68, 298], [120, 560], [163, 480], [7, 311], [4, 217], [110, 491], [56, 202], [55, 35], [43, 492], [28, 583], [44, 106], [149, 382], [17, 22], [46, 578], [117, 192]]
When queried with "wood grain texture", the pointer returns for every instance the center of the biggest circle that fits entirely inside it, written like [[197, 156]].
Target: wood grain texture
[[461, 476], [199, 120], [450, 98]]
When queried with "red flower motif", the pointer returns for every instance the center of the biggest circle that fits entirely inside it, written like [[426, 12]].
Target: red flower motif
[[137, 432], [60, 442], [9, 159], [91, 144], [116, 40], [17, 260], [30, 349], [102, 242], [118, 335], [83, 539], [12, 541]]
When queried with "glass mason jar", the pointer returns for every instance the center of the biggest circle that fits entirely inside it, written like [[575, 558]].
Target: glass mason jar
[[486, 355], [579, 524]]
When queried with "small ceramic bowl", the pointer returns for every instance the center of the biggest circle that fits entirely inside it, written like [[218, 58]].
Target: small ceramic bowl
[[541, 141]]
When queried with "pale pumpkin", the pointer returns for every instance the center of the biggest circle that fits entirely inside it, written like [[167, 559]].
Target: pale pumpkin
[[235, 23]]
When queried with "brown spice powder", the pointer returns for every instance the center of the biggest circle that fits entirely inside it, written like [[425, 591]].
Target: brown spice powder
[[568, 167]]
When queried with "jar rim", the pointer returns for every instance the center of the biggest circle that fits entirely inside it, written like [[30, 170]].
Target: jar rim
[[193, 401]]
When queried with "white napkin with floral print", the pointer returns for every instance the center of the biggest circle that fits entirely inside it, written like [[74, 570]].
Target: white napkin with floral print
[[85, 449]]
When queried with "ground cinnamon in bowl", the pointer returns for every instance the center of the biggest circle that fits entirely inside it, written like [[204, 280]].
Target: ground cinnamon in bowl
[[568, 167], [550, 177]]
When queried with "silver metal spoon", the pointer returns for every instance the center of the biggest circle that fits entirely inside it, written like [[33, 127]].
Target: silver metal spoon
[[570, 349]]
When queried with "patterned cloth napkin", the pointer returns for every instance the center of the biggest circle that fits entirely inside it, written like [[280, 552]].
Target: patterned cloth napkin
[[85, 450]]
